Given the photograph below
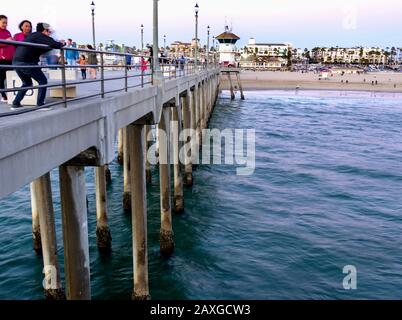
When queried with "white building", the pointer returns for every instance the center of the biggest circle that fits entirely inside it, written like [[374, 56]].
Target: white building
[[267, 49], [227, 48], [273, 56], [356, 55]]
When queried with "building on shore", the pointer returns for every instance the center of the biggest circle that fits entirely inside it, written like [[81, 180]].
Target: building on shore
[[271, 56], [178, 49], [355, 55]]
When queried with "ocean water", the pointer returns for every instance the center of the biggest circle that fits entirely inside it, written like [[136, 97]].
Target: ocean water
[[326, 193]]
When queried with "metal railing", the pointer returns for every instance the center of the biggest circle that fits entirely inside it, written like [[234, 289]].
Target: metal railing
[[146, 77], [170, 69]]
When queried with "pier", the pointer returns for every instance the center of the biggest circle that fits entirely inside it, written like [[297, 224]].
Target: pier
[[83, 132]]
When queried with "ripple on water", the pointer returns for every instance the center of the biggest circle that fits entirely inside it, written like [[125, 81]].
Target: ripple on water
[[325, 194]]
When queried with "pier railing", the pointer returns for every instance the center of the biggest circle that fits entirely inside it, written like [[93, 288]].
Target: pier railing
[[143, 70]]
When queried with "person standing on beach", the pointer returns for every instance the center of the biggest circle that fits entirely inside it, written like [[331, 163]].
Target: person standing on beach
[[26, 28], [6, 54], [29, 56]]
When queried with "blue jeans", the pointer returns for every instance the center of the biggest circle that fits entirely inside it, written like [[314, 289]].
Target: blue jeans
[[26, 76]]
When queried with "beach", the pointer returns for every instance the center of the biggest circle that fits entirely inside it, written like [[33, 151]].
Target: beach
[[270, 80]]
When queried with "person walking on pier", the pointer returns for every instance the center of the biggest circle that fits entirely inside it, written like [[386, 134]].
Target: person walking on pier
[[71, 55], [6, 54], [26, 28], [29, 56], [93, 62], [83, 62]]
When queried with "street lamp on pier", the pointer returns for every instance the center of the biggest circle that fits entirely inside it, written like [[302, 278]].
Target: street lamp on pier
[[209, 30], [155, 39], [93, 24], [142, 38], [197, 8]]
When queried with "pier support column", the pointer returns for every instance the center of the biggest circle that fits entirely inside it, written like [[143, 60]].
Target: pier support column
[[126, 173], [103, 235], [36, 239], [75, 233], [148, 168], [202, 107], [108, 175], [42, 193], [197, 93], [240, 86], [166, 233], [232, 94], [120, 148], [137, 148], [188, 164], [194, 139], [178, 205]]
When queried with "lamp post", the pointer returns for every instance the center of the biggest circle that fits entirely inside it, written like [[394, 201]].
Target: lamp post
[[164, 42], [142, 38], [213, 46], [155, 39], [196, 34], [209, 30], [93, 24]]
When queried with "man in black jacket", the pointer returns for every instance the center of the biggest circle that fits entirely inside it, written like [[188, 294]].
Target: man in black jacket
[[29, 56]]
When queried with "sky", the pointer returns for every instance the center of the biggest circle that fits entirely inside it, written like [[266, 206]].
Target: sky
[[307, 23]]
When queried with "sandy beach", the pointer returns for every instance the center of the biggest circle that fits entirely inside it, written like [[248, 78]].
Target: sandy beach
[[269, 80]]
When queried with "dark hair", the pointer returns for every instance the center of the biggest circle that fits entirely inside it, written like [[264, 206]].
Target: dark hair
[[40, 27], [90, 47], [22, 23], [71, 40], [3, 17]]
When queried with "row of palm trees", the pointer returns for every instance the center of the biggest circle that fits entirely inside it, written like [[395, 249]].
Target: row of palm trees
[[374, 56]]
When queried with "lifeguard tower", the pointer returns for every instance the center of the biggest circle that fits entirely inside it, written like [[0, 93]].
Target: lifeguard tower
[[227, 48]]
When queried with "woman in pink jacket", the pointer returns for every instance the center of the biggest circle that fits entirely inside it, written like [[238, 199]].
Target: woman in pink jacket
[[6, 53], [26, 28]]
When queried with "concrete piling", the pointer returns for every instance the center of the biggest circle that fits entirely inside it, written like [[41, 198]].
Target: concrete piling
[[166, 233], [104, 238], [36, 239], [178, 203], [139, 212], [120, 148], [42, 193], [148, 168], [194, 131], [108, 175], [126, 174], [187, 119], [75, 232], [240, 86], [232, 94], [199, 116]]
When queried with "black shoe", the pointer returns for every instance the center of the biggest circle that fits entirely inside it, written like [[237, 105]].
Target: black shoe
[[16, 106]]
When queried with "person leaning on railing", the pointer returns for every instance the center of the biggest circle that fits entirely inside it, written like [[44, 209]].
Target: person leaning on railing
[[6, 53], [29, 56]]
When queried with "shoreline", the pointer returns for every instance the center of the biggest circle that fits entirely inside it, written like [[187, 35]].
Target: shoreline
[[291, 81], [250, 89]]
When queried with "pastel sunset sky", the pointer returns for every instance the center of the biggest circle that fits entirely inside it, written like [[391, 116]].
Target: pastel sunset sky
[[305, 23]]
